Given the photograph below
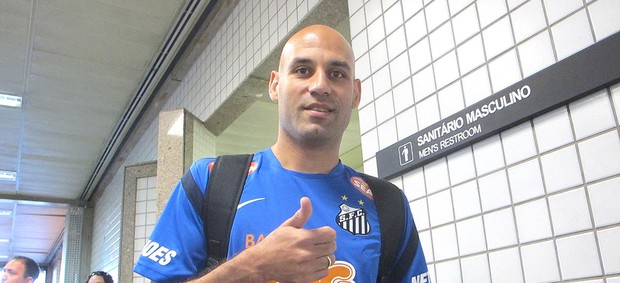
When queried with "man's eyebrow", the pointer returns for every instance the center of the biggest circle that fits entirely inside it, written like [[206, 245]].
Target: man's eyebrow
[[341, 64], [334, 63], [300, 61]]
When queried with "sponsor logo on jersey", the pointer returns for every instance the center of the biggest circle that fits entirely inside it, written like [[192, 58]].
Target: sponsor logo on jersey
[[361, 186], [339, 272], [158, 253], [253, 166], [420, 278], [353, 220], [240, 205]]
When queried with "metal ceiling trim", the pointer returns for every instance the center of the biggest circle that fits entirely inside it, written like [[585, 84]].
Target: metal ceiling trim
[[70, 202], [143, 98], [26, 88]]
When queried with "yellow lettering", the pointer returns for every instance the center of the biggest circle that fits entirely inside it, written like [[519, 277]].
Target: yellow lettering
[[249, 241]]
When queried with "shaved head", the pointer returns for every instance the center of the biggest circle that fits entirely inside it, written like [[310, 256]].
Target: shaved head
[[319, 36], [316, 90]]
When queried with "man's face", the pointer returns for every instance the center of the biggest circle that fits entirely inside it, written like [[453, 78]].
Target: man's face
[[14, 272], [96, 279], [315, 87]]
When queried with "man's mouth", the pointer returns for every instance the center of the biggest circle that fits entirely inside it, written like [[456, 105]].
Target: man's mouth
[[319, 109]]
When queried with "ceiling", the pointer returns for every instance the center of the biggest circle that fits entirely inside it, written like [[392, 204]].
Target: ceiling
[[77, 65], [84, 70]]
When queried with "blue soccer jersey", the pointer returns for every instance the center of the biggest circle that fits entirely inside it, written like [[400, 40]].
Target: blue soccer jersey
[[340, 199]]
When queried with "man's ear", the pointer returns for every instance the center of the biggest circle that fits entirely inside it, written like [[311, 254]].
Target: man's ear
[[357, 93], [274, 81], [29, 279]]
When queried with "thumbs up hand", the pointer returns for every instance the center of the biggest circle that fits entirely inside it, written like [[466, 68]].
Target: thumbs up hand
[[299, 219], [294, 254]]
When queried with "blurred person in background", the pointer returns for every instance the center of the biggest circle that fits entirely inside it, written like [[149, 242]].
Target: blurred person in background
[[99, 277], [20, 269]]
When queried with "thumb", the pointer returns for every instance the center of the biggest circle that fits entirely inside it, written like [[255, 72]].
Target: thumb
[[301, 216]]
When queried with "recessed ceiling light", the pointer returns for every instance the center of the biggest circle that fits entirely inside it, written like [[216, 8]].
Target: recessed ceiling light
[[8, 175], [4, 256], [4, 240], [6, 212], [10, 100]]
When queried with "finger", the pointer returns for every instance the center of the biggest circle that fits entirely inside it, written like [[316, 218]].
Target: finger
[[321, 250], [324, 262], [302, 215], [324, 235]]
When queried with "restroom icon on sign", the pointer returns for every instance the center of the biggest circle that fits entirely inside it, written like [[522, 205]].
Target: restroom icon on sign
[[405, 153]]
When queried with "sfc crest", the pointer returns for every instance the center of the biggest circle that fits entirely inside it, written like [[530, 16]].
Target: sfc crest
[[353, 220]]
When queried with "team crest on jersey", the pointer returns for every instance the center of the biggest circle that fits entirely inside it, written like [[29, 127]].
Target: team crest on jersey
[[361, 186], [353, 220]]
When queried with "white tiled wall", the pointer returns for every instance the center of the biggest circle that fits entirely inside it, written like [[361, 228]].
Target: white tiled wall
[[106, 231], [204, 142], [108, 210], [146, 210], [247, 36], [534, 203], [515, 207]]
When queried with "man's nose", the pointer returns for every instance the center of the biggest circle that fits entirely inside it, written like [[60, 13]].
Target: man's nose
[[320, 84]]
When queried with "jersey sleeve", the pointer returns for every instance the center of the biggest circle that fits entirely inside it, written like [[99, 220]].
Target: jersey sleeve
[[418, 271], [176, 249]]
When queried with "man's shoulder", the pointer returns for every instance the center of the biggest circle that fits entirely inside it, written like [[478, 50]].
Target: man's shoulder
[[201, 168], [376, 181]]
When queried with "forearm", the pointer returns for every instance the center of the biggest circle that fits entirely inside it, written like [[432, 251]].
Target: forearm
[[288, 254], [241, 268]]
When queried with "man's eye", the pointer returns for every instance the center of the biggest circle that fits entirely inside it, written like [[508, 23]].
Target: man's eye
[[337, 74], [302, 71]]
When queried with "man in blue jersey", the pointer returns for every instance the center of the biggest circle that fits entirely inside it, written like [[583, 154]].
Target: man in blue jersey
[[303, 216]]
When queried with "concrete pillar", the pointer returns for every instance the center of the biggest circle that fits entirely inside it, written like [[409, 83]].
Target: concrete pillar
[[182, 139], [72, 239]]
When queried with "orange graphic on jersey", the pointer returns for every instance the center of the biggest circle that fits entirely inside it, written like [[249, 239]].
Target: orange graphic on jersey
[[339, 272]]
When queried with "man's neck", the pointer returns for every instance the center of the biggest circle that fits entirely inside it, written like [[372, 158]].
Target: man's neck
[[306, 159]]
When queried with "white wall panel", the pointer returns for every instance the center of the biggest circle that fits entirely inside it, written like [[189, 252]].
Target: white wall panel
[[535, 203]]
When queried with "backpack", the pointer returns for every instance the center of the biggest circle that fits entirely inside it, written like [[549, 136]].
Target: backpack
[[224, 189]]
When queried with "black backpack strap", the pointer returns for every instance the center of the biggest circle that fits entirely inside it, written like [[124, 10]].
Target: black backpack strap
[[404, 262], [217, 208], [193, 193], [224, 189], [391, 212]]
